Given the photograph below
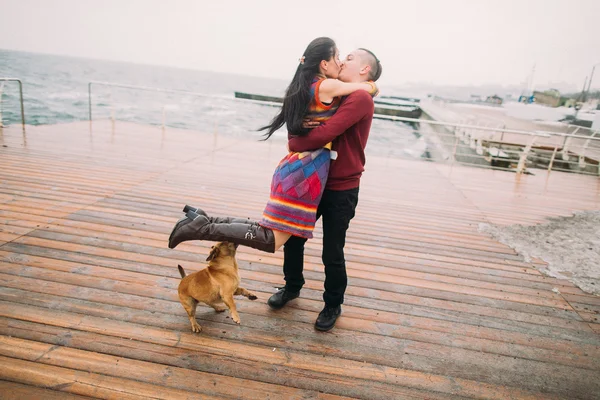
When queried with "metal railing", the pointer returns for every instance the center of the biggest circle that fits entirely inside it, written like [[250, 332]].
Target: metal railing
[[20, 96], [469, 144], [533, 152], [160, 90]]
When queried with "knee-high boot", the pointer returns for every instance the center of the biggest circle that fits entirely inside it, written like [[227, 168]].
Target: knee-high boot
[[199, 227]]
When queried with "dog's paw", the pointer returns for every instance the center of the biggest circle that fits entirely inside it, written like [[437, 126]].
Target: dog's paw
[[196, 328], [236, 319], [252, 297]]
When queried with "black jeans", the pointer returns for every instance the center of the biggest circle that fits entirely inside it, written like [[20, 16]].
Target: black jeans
[[337, 209]]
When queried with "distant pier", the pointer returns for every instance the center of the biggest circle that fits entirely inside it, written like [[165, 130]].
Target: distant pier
[[495, 138]]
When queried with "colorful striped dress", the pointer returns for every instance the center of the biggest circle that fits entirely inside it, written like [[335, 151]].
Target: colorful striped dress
[[299, 180]]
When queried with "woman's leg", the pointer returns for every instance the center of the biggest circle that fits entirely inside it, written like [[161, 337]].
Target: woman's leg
[[280, 238], [199, 227]]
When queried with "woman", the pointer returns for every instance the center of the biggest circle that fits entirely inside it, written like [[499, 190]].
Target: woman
[[299, 179]]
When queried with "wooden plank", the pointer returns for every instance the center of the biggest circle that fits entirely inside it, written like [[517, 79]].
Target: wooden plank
[[186, 368], [406, 326], [137, 236], [388, 296], [373, 271], [85, 383], [18, 391], [578, 382], [440, 275], [7, 237], [583, 299], [592, 317], [360, 332], [416, 258], [145, 254], [416, 302]]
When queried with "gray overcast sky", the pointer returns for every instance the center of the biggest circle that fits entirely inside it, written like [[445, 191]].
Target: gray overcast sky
[[454, 42]]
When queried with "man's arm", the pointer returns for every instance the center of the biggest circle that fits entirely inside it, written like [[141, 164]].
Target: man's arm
[[354, 108]]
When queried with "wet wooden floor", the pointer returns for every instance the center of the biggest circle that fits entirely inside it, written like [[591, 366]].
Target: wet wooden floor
[[434, 308]]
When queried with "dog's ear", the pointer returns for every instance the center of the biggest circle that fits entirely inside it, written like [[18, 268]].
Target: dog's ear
[[214, 252]]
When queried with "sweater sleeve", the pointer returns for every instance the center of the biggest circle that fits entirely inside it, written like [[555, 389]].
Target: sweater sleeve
[[354, 108]]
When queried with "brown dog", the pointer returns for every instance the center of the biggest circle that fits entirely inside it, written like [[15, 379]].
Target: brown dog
[[214, 285]]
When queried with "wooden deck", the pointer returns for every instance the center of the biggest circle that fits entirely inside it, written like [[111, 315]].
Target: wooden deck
[[434, 308]]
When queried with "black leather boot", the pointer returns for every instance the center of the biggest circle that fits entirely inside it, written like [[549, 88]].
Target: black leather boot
[[280, 299], [327, 317], [198, 227]]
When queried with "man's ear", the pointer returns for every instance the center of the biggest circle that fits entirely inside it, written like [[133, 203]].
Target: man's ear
[[365, 70], [214, 252]]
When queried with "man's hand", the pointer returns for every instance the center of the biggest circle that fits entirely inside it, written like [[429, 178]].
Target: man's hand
[[308, 123], [354, 108]]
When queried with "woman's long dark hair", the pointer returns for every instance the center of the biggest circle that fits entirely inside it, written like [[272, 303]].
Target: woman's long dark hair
[[297, 95]]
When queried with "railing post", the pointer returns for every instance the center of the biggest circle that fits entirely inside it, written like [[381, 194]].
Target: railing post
[[479, 147], [1, 90], [584, 149], [566, 144], [112, 110], [523, 158], [454, 149], [90, 100], [22, 106], [20, 98], [552, 158]]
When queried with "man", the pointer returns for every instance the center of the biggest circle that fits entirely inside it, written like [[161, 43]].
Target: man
[[349, 130]]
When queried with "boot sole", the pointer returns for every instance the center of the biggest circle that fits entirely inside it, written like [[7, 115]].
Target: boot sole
[[194, 209], [279, 307], [189, 208], [326, 329], [274, 307]]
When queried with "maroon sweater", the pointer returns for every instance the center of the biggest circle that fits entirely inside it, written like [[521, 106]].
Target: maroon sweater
[[348, 129]]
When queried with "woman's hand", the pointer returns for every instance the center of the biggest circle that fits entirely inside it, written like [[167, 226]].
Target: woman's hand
[[309, 123]]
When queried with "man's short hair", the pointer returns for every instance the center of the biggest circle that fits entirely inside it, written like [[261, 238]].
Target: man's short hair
[[374, 63]]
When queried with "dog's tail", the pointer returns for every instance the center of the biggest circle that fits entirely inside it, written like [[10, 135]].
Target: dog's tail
[[181, 271]]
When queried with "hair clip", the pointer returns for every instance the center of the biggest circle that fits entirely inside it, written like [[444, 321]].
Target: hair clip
[[301, 59]]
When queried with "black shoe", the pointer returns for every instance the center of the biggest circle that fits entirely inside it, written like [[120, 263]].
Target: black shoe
[[327, 317], [280, 299]]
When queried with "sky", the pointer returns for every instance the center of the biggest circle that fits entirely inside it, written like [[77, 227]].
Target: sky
[[439, 42]]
